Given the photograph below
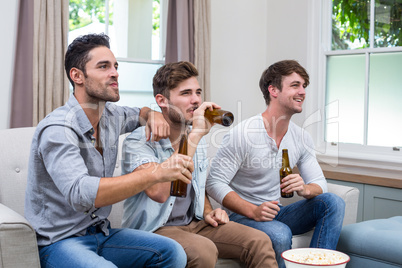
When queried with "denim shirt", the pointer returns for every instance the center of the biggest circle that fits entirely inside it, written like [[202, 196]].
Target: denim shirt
[[140, 211], [65, 170]]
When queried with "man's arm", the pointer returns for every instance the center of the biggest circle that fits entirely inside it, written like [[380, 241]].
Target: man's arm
[[311, 181], [154, 123], [212, 216], [264, 212], [295, 183], [115, 189], [226, 163]]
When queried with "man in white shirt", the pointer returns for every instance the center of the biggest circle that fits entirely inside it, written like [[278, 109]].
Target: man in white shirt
[[244, 175]]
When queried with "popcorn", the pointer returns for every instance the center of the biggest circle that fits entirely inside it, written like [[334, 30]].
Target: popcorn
[[317, 258]]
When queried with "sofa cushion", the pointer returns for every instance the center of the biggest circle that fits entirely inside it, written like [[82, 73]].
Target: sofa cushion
[[15, 144], [376, 241]]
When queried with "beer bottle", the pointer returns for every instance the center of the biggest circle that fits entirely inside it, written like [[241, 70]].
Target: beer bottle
[[284, 171], [218, 116], [179, 188]]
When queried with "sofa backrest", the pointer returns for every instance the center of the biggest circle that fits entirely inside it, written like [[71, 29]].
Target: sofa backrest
[[15, 146]]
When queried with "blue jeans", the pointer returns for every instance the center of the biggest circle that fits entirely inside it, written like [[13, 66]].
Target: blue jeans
[[121, 248], [325, 212]]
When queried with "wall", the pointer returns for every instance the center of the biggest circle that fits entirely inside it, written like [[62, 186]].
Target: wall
[[8, 25], [248, 36]]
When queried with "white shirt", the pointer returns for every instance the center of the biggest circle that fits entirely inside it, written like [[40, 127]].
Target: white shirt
[[248, 162]]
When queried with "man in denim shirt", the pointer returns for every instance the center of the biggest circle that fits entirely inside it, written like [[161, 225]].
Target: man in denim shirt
[[204, 233], [70, 186]]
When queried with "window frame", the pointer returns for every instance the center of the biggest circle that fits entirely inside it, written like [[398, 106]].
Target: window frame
[[162, 50], [319, 44]]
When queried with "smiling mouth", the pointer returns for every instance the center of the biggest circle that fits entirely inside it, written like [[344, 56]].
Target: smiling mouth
[[191, 110]]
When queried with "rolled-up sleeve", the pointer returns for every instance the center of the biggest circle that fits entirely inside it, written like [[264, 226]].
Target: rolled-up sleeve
[[136, 151], [60, 149]]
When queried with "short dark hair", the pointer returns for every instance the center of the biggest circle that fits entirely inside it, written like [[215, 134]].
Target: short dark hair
[[170, 75], [77, 52], [274, 74]]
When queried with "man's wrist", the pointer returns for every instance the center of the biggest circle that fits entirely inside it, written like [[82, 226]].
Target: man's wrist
[[194, 137]]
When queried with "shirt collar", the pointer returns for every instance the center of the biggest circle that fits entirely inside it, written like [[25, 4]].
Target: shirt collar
[[75, 110]]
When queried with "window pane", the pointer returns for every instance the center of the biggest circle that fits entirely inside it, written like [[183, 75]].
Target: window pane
[[345, 99], [136, 29], [135, 83], [350, 24], [388, 23], [385, 97], [88, 17]]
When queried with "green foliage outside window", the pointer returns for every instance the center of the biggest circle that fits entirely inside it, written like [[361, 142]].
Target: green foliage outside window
[[351, 22], [84, 12]]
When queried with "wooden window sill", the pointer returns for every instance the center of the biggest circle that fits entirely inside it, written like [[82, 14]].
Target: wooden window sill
[[373, 176]]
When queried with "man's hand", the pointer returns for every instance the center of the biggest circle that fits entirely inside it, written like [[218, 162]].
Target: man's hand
[[267, 211], [294, 183], [216, 217], [201, 126], [157, 125], [176, 167]]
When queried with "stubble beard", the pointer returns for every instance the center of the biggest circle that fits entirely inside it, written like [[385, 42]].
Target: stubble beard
[[97, 91]]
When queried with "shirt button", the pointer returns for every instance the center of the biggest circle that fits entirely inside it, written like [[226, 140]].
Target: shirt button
[[17, 170]]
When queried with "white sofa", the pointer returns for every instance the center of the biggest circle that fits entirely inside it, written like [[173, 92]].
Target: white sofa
[[18, 246]]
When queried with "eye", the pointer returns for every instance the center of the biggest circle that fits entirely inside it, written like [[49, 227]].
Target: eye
[[103, 66]]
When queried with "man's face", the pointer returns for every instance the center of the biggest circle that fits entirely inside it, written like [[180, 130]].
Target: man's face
[[183, 100], [101, 80], [293, 93]]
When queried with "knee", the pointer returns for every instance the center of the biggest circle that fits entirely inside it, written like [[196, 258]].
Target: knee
[[281, 238], [176, 254], [202, 253], [334, 203]]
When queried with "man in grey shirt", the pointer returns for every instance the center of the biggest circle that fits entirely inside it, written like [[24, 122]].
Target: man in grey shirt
[[70, 186], [244, 175]]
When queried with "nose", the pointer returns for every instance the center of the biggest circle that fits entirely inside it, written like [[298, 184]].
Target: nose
[[195, 98], [302, 90], [114, 72]]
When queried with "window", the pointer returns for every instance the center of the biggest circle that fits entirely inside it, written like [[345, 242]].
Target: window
[[137, 32], [363, 62]]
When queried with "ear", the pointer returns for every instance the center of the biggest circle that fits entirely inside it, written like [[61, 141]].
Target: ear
[[273, 91], [162, 101], [77, 76]]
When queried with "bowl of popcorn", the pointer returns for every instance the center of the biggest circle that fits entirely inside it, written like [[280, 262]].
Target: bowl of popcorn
[[314, 257]]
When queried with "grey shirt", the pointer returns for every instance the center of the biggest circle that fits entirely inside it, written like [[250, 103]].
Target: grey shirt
[[65, 169], [249, 160]]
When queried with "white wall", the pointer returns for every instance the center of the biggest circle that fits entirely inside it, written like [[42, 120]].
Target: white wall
[[8, 26], [247, 37], [238, 55]]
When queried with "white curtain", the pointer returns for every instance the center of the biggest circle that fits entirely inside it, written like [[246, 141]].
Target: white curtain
[[202, 44], [50, 83]]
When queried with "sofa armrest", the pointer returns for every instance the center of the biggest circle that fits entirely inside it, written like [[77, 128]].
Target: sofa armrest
[[18, 246], [351, 197]]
